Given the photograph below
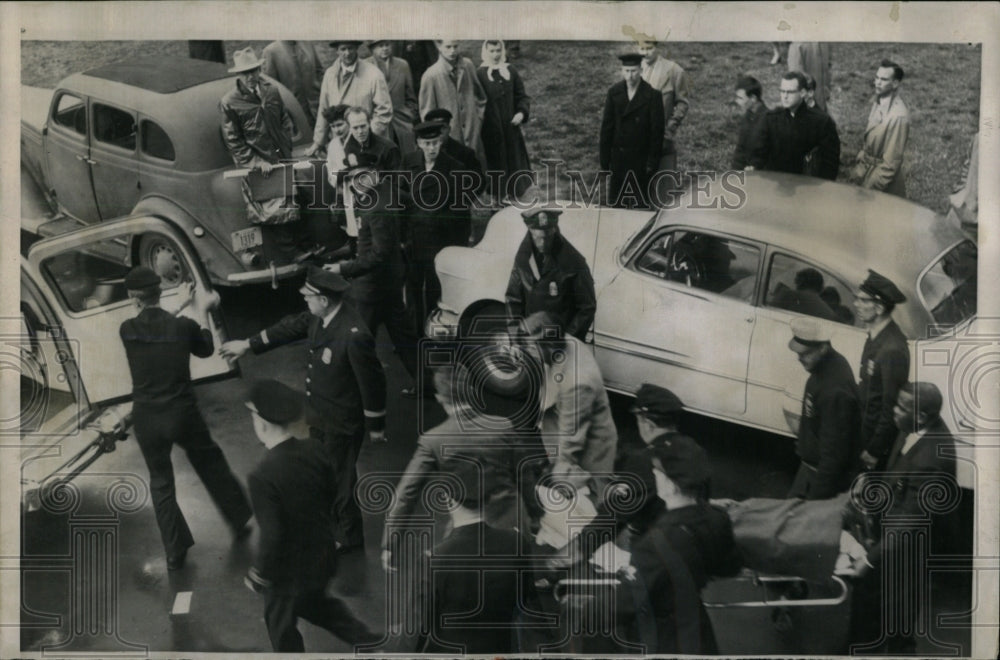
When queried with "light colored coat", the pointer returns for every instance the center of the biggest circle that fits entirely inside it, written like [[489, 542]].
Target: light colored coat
[[464, 98], [669, 79], [367, 89], [405, 111], [296, 66], [813, 58], [880, 161], [577, 417]]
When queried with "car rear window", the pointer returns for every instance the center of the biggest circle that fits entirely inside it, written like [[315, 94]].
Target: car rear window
[[948, 288], [156, 142]]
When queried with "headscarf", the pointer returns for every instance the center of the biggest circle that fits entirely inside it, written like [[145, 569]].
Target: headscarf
[[503, 67]]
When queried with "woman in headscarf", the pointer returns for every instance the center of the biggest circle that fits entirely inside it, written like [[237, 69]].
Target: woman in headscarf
[[507, 108]]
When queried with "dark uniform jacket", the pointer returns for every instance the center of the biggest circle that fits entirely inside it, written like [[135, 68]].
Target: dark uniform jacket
[[345, 383], [907, 475], [828, 430], [435, 217], [560, 284], [466, 156], [488, 602], [787, 140], [885, 365], [382, 148], [159, 346], [673, 560], [751, 130], [292, 499], [255, 128], [379, 262], [631, 131]]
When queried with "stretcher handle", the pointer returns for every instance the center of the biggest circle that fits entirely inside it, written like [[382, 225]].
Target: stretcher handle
[[785, 602], [104, 443], [561, 591]]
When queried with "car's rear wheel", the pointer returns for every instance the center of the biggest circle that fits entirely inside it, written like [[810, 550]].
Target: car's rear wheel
[[161, 255]]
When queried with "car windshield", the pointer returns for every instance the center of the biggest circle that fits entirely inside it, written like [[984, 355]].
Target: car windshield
[[637, 239], [948, 288]]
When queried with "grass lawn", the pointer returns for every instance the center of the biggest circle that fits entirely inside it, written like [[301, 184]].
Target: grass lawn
[[568, 80]]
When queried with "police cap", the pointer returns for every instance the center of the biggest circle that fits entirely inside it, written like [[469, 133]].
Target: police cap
[[438, 114], [881, 287], [274, 401], [360, 162], [319, 281], [630, 59], [539, 217], [683, 461], [428, 130], [807, 332], [141, 277], [655, 401]]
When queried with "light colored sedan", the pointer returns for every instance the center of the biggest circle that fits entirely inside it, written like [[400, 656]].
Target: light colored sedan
[[698, 298]]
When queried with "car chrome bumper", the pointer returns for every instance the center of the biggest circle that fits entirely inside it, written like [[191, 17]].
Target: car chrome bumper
[[272, 274], [441, 324]]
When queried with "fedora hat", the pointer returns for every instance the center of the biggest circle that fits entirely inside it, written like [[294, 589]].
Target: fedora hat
[[245, 60]]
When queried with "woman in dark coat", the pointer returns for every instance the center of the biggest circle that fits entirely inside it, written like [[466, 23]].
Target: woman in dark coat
[[506, 109]]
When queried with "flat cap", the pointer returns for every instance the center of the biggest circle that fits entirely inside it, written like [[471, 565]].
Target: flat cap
[[275, 401], [808, 332], [438, 114], [141, 277], [882, 288], [683, 461], [323, 281], [655, 400], [630, 59], [428, 130], [539, 217]]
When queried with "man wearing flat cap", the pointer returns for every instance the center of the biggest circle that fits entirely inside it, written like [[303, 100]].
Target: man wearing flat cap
[[885, 366], [293, 499], [632, 132], [550, 275], [829, 425], [159, 346], [435, 217], [345, 384], [351, 82]]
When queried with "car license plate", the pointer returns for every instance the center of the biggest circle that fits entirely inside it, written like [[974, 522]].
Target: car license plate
[[245, 239]]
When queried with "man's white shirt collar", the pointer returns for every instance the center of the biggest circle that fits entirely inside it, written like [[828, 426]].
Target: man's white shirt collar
[[912, 440]]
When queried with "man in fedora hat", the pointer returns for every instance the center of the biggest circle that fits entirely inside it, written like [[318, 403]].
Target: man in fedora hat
[[549, 274], [293, 498], [159, 346], [885, 365], [345, 384], [828, 428], [631, 135], [352, 82]]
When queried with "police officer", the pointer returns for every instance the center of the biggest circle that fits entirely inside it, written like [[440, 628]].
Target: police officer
[[292, 498], [377, 272], [885, 364], [828, 428], [345, 384], [159, 346], [550, 275]]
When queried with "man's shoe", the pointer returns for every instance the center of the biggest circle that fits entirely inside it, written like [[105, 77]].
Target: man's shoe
[[176, 562]]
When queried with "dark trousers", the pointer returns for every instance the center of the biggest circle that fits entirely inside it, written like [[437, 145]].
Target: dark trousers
[[385, 306], [870, 609], [423, 290], [282, 610], [343, 450], [156, 431]]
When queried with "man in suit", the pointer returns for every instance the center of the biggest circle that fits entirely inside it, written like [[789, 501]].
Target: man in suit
[[885, 365], [159, 346], [923, 455], [632, 130], [296, 66], [293, 498], [549, 274], [435, 217], [345, 385], [796, 138], [451, 83], [399, 79], [748, 98], [363, 140], [489, 596], [828, 428], [354, 83], [377, 272], [452, 147]]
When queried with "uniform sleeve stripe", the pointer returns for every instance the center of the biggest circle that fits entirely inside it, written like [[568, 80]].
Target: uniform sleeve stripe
[[373, 413]]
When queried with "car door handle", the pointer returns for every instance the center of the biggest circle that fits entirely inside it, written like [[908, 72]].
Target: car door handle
[[86, 160]]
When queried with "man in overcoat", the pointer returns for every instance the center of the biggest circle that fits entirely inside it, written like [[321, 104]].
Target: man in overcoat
[[296, 66], [399, 79], [880, 161], [631, 140], [451, 83], [668, 78]]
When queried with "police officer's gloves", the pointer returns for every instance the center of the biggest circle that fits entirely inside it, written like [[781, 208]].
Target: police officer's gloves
[[378, 437], [254, 581]]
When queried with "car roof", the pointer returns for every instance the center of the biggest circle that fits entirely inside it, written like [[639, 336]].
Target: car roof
[[188, 109], [848, 227]]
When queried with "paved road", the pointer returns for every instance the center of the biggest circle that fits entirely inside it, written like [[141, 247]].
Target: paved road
[[205, 607]]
